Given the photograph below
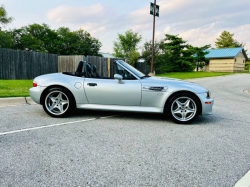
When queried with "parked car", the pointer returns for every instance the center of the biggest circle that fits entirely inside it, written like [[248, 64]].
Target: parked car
[[128, 90]]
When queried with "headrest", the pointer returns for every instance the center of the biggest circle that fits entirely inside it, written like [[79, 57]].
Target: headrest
[[87, 68], [93, 68], [79, 68]]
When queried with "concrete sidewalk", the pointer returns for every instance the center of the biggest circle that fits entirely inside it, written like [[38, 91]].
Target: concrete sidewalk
[[13, 101]]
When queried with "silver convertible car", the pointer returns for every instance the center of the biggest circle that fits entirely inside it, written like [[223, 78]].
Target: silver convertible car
[[129, 90]]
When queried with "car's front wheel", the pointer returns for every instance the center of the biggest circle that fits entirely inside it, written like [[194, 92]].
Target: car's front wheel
[[183, 108], [58, 102]]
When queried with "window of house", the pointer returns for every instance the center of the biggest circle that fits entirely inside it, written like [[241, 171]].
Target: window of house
[[235, 60], [243, 61]]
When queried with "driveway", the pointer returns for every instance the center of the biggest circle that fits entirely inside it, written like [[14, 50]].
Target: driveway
[[127, 149]]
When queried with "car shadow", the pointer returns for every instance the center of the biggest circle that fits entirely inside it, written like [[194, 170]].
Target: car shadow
[[154, 117]]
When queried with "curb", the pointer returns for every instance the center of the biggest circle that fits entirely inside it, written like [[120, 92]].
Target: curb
[[14, 101]]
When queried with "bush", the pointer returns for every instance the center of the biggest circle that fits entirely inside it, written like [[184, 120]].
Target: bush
[[247, 65]]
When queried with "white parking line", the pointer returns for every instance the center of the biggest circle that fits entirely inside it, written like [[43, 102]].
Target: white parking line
[[54, 125], [244, 181]]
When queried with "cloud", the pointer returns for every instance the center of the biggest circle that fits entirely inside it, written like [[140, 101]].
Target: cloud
[[95, 30], [199, 22], [71, 14], [188, 14], [89, 18], [208, 34], [167, 30], [159, 35], [166, 7], [142, 27]]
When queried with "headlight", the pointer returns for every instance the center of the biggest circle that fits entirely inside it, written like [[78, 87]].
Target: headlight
[[208, 94]]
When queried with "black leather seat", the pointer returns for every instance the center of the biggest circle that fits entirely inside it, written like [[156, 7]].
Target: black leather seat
[[79, 72], [93, 72], [87, 71]]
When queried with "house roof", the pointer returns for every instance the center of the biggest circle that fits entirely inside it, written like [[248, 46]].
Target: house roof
[[107, 55], [225, 52]]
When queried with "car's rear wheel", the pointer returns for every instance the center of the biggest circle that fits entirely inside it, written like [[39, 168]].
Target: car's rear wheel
[[183, 108], [58, 102]]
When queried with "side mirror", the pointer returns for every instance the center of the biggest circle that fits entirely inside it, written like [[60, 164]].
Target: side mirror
[[119, 78]]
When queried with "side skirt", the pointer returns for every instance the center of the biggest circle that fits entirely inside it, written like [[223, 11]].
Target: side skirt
[[120, 108]]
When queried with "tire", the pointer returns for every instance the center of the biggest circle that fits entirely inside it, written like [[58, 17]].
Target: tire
[[58, 102], [183, 108]]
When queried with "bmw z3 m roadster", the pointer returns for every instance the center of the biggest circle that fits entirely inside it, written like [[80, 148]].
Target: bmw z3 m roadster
[[128, 90]]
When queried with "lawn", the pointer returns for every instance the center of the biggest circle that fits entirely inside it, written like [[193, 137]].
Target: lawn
[[15, 88], [193, 75]]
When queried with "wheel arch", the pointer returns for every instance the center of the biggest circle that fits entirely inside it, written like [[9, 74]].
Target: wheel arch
[[56, 86], [183, 91]]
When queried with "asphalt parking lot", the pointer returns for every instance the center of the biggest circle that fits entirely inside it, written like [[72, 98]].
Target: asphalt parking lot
[[128, 149]]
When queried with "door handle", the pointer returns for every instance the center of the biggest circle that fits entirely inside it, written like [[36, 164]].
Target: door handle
[[92, 84]]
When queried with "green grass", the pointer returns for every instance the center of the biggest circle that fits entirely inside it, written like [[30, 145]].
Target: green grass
[[15, 88], [193, 75]]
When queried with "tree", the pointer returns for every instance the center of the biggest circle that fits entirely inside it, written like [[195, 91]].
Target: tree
[[199, 55], [41, 38], [238, 44], [147, 52], [226, 40], [4, 19], [6, 39], [78, 42], [126, 45], [174, 57], [35, 37], [134, 56], [178, 56], [247, 65]]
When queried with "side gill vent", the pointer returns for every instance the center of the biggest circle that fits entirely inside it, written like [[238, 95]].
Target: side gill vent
[[156, 88]]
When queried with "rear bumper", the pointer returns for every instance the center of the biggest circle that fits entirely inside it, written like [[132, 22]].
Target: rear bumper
[[207, 109], [35, 93]]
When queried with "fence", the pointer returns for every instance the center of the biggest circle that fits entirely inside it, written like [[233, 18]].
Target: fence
[[146, 69], [18, 64]]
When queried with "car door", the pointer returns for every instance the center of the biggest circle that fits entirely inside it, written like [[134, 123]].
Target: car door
[[111, 92]]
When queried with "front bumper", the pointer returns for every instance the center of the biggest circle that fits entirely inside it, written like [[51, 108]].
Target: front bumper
[[35, 93], [207, 109]]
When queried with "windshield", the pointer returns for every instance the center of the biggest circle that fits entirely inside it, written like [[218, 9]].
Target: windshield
[[132, 69]]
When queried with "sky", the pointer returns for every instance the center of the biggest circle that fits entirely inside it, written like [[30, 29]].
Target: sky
[[199, 22]]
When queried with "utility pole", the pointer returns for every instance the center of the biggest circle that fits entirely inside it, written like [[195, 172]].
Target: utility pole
[[155, 11], [153, 40]]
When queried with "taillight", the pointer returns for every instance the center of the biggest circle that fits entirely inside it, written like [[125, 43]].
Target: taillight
[[34, 84]]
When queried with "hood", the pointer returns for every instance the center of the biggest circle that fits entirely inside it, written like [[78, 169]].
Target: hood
[[167, 78], [173, 84]]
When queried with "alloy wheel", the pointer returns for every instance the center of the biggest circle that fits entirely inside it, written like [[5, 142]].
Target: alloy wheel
[[57, 102], [183, 109]]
